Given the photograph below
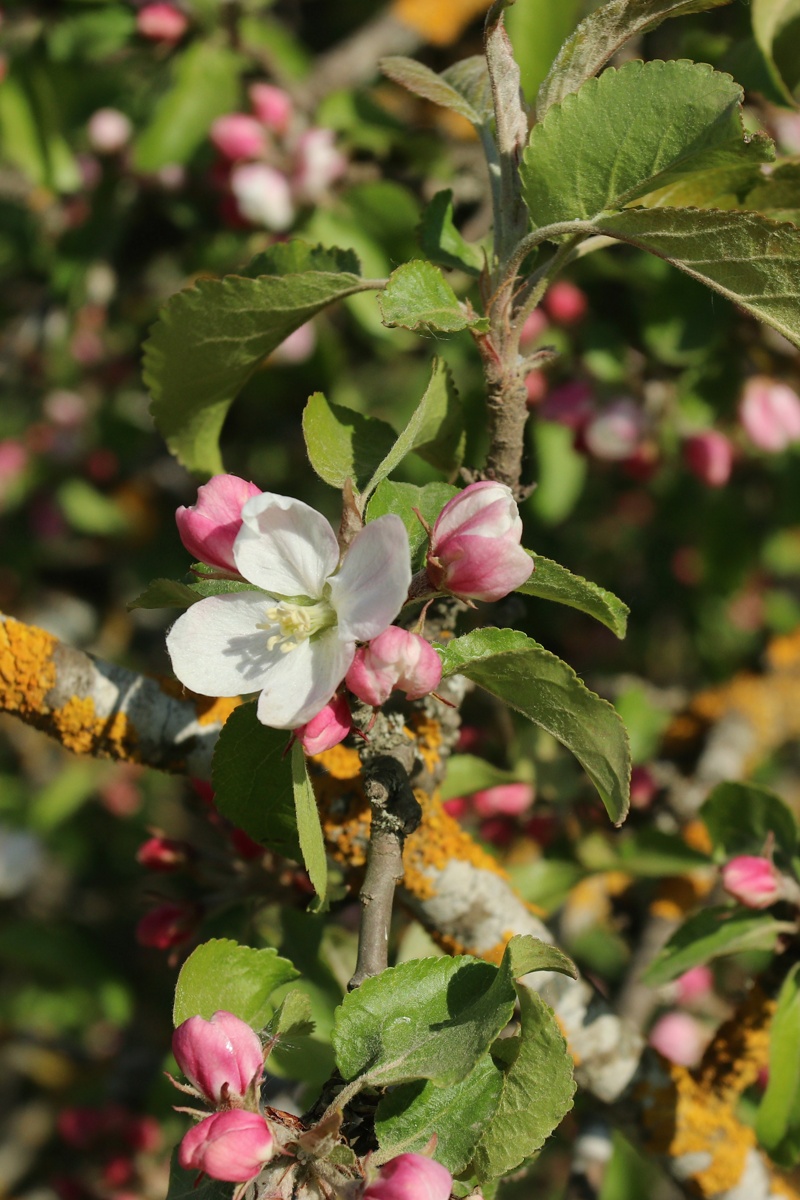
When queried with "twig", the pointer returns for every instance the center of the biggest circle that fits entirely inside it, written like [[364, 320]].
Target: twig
[[395, 813]]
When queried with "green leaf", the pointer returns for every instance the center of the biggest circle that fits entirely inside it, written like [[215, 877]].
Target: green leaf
[[252, 779], [467, 773], [89, 511], [776, 28], [442, 242], [550, 581], [537, 29], [598, 38], [210, 339], [309, 828], [293, 1018], [31, 127], [747, 258], [174, 593], [407, 1114], [560, 469], [710, 934], [537, 1091], [418, 296], [742, 818], [221, 974], [778, 1119], [433, 1018], [402, 499], [547, 691], [186, 1185], [439, 89], [205, 85], [777, 196], [435, 431], [722, 187], [342, 443], [631, 131]]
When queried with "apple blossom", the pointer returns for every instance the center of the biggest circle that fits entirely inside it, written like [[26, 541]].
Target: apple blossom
[[694, 984], [770, 413], [166, 926], [679, 1037], [752, 880], [163, 854], [615, 432], [709, 456], [209, 527], [317, 164], [566, 303], [109, 130], [263, 195], [395, 659], [507, 799], [161, 22], [572, 405], [410, 1177], [221, 1056], [232, 1146], [272, 105], [237, 135], [330, 726], [475, 550], [294, 651]]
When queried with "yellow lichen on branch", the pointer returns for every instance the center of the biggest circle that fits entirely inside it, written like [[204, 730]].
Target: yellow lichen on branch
[[27, 670], [692, 1118]]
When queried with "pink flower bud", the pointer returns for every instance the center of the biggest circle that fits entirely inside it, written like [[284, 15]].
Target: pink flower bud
[[410, 1177], [643, 787], [507, 799], [232, 1146], [693, 984], [751, 880], [566, 303], [162, 854], [770, 413], [679, 1037], [213, 1054], [329, 727], [263, 195], [109, 131], [475, 550], [317, 165], [614, 434], [272, 106], [535, 325], [395, 659], [238, 136], [709, 456], [536, 387], [161, 22], [166, 926], [298, 346], [208, 528], [572, 405]]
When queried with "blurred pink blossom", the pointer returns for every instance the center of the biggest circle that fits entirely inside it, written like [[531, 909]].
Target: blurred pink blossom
[[263, 195], [272, 105], [318, 164], [507, 799], [161, 22], [694, 984], [752, 880], [238, 135], [109, 131], [709, 456], [770, 413], [565, 303], [679, 1037], [615, 432], [535, 325], [571, 404], [298, 346]]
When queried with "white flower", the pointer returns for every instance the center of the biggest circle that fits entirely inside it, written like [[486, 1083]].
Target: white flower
[[295, 644]]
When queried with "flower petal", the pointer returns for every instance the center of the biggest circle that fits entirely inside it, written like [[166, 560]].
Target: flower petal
[[285, 547], [217, 648], [369, 591], [302, 682]]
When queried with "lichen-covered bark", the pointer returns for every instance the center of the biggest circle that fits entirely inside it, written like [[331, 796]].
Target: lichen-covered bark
[[459, 892]]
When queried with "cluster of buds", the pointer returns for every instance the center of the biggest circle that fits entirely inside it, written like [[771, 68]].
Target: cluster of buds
[[474, 553], [223, 1060], [270, 164]]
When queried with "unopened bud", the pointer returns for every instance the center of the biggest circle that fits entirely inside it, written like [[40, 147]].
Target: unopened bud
[[232, 1146], [209, 527], [223, 1053], [410, 1177], [330, 726], [475, 547], [752, 880], [709, 456], [395, 659]]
